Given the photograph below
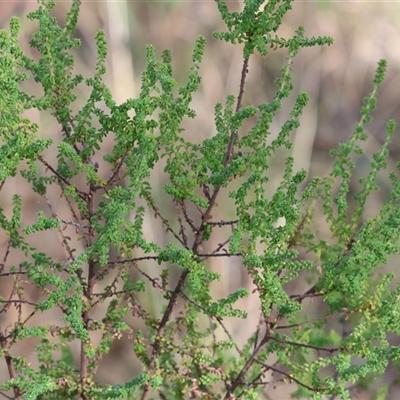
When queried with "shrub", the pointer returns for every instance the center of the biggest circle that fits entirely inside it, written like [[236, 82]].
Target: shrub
[[189, 349]]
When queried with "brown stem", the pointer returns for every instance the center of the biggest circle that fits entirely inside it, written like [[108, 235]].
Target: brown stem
[[308, 346], [88, 292], [10, 366], [197, 242], [233, 137], [290, 377], [239, 378], [116, 171], [59, 176]]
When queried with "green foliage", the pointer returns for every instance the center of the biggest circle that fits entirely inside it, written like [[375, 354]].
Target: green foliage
[[180, 353]]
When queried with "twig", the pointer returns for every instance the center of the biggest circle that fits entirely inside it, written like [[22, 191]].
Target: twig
[[115, 172], [132, 260], [239, 377], [165, 222], [60, 177], [223, 223], [210, 255], [10, 366], [332, 350], [73, 223], [187, 219], [18, 302], [291, 378]]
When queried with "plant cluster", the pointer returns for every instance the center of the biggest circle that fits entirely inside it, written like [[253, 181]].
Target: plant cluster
[[180, 354]]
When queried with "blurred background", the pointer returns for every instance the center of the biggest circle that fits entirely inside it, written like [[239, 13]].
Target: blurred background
[[336, 78]]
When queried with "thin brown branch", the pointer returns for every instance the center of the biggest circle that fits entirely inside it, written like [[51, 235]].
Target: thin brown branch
[[165, 222], [258, 330], [179, 208], [245, 71], [223, 223], [187, 218], [60, 177], [132, 260], [211, 255], [258, 382], [222, 245], [308, 346], [309, 293], [73, 224], [7, 397], [195, 248], [12, 274], [65, 129], [88, 292], [115, 172], [290, 377], [233, 136], [312, 321], [18, 302], [219, 320], [64, 238], [109, 290], [10, 365], [6, 254], [240, 376], [11, 295], [75, 216], [312, 292]]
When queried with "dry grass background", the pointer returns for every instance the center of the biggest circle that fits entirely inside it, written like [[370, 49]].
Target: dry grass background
[[337, 78]]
